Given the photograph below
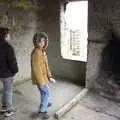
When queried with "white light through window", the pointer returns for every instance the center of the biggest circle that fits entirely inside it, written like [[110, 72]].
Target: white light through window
[[74, 44]]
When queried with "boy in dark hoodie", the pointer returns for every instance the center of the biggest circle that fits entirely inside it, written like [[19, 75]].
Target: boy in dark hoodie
[[8, 68]]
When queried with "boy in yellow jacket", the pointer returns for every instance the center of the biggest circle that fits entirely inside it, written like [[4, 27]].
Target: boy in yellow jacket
[[41, 75]]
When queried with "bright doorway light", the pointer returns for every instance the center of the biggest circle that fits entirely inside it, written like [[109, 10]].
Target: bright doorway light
[[74, 43]]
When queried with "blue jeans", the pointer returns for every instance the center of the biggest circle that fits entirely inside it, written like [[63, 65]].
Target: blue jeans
[[7, 91], [45, 94]]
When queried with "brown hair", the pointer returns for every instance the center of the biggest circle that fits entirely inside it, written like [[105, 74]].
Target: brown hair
[[4, 32], [37, 38]]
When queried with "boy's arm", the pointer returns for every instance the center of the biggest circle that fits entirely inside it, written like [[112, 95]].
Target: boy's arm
[[12, 62], [49, 73], [36, 65], [48, 70]]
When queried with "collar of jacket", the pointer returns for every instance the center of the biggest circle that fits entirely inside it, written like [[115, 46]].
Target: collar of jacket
[[40, 49]]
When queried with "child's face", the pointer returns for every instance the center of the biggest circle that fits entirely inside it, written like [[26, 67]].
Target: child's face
[[42, 43], [8, 37]]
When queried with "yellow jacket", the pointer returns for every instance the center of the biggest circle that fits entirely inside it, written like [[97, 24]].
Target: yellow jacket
[[39, 67]]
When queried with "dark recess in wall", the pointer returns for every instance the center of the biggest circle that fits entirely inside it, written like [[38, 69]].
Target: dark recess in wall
[[110, 60]]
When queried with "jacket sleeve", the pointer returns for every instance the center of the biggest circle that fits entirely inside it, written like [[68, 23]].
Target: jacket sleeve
[[36, 66], [12, 62], [48, 70]]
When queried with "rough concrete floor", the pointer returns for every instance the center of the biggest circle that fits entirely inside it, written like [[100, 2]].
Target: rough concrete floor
[[94, 107], [26, 99], [91, 107]]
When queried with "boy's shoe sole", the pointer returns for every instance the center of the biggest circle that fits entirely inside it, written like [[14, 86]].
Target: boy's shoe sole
[[44, 115], [49, 104], [3, 111], [8, 114]]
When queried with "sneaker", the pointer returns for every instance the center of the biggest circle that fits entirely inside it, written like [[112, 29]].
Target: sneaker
[[11, 109], [44, 115], [49, 104], [3, 109], [9, 113]]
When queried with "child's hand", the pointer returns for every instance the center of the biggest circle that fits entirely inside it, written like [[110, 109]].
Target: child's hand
[[52, 80]]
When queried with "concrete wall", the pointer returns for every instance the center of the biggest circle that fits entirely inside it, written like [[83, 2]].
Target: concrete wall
[[22, 22], [103, 46], [42, 15]]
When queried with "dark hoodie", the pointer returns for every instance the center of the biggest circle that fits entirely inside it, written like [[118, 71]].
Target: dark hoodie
[[8, 63]]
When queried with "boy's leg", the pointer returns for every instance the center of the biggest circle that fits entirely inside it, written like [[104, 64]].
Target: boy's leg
[[45, 97], [7, 92], [7, 96], [50, 98], [41, 97]]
